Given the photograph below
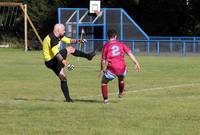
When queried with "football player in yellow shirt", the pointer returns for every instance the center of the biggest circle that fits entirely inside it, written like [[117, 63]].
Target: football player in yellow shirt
[[55, 59]]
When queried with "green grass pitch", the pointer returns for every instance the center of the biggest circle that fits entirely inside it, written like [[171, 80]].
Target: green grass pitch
[[163, 99]]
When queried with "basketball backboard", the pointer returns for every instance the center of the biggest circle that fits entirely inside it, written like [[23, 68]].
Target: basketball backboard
[[95, 6]]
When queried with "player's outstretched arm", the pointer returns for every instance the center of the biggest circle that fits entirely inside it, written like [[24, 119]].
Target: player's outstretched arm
[[102, 67], [75, 41], [137, 65], [72, 41]]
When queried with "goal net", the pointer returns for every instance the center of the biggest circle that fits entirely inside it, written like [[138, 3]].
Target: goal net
[[14, 26]]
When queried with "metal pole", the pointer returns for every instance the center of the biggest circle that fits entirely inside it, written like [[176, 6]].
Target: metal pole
[[194, 45], [33, 27], [121, 25], [25, 28], [133, 47], [171, 45], [148, 45], [104, 26], [158, 48], [184, 49]]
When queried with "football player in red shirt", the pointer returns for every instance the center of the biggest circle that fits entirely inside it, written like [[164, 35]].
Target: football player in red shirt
[[113, 64]]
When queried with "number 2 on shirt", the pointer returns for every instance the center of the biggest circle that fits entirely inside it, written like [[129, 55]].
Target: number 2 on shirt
[[115, 50]]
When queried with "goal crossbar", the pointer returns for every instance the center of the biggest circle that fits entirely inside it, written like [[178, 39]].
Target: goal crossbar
[[10, 4]]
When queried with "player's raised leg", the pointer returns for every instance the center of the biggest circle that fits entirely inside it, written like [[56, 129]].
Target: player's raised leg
[[77, 53]]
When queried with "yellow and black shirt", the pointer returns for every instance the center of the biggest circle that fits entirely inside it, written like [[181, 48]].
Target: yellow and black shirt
[[51, 46]]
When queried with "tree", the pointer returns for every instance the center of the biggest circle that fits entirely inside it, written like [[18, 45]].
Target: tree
[[156, 17], [193, 23], [162, 17]]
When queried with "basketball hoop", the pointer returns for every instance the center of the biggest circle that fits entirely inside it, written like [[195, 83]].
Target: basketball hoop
[[98, 13]]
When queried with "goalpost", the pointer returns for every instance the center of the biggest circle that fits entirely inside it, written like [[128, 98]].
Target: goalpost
[[26, 21]]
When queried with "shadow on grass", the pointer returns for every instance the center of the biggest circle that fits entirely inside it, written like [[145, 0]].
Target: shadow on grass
[[87, 100], [92, 101], [37, 99], [76, 100], [57, 100]]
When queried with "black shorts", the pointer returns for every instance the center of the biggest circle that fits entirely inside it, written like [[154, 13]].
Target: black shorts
[[56, 65]]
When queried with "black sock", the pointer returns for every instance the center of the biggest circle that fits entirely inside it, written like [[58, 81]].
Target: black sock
[[80, 54], [65, 89]]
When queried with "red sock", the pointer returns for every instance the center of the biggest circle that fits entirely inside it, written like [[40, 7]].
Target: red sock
[[104, 90], [121, 86]]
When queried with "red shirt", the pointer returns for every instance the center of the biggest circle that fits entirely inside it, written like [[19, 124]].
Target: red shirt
[[113, 51]]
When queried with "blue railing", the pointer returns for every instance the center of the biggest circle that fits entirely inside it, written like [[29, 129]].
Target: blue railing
[[155, 47], [182, 40]]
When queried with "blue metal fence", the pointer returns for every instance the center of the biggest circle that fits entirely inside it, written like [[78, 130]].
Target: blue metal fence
[[129, 32]]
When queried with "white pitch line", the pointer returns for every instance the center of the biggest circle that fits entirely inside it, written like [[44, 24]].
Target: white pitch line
[[147, 89]]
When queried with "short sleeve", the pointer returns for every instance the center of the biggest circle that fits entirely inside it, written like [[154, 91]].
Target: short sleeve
[[126, 48]]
